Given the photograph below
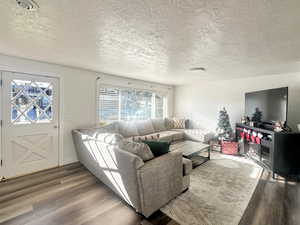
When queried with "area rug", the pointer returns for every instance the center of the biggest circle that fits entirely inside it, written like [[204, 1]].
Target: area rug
[[219, 193]]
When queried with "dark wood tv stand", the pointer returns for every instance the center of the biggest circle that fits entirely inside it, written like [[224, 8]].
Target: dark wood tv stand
[[278, 152]]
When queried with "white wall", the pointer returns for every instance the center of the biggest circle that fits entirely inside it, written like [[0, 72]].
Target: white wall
[[78, 94], [201, 102]]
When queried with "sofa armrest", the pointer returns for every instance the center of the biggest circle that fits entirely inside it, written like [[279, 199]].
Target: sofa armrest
[[160, 180], [115, 167], [199, 135]]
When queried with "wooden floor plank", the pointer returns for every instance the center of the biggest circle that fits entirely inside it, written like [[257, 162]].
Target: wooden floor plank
[[68, 198], [55, 202], [43, 173], [73, 196], [23, 182], [8, 207], [274, 202], [129, 217], [86, 206]]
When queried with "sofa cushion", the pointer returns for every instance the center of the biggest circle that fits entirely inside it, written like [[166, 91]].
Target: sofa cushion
[[159, 125], [165, 136], [199, 135], [158, 148], [177, 136], [171, 135], [144, 127], [112, 127], [148, 137], [128, 128], [109, 138], [93, 131], [187, 166], [138, 148]]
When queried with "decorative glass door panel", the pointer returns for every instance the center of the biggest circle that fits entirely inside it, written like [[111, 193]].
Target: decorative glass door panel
[[31, 102]]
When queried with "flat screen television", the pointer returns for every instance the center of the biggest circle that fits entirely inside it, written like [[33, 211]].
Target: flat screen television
[[267, 106]]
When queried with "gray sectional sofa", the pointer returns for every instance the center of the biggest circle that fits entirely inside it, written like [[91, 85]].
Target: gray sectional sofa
[[145, 185]]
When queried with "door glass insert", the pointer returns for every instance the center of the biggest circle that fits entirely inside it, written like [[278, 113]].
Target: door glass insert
[[31, 102]]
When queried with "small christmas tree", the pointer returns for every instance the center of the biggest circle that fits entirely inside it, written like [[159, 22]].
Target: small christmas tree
[[224, 129], [257, 115]]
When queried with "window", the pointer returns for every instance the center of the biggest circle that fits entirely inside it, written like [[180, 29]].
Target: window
[[31, 102], [159, 106], [109, 103], [130, 104]]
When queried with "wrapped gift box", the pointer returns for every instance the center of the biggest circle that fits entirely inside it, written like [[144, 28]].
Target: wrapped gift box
[[229, 147]]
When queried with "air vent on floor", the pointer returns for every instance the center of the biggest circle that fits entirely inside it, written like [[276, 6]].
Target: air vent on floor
[[29, 5]]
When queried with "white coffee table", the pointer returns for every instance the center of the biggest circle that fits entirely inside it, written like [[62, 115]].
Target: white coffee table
[[191, 150]]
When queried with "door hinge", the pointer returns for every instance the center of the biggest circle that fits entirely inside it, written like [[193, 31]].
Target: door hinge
[[1, 162], [1, 82], [1, 122]]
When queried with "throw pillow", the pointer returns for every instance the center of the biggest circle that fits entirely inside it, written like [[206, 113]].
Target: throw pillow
[[138, 148], [158, 148], [179, 123]]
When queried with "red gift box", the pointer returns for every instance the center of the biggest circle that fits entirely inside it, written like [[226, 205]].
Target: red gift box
[[229, 148]]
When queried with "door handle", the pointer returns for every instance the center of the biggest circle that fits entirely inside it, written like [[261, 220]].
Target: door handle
[[56, 126]]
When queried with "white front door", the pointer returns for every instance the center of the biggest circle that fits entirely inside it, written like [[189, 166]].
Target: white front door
[[30, 123]]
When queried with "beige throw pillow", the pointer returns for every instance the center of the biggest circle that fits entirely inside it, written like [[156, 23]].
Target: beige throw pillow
[[138, 148], [179, 123]]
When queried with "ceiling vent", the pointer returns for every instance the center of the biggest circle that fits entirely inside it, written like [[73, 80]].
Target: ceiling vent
[[29, 5], [197, 69]]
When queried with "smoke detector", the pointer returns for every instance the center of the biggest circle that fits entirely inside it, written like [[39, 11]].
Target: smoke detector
[[29, 5]]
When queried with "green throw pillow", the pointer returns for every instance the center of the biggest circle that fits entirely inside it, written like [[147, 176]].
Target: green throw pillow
[[158, 148]]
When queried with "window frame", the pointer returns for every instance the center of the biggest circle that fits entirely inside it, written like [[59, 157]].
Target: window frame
[[163, 94]]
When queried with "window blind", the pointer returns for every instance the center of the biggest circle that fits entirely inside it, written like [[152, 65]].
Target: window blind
[[159, 106], [109, 99], [129, 104]]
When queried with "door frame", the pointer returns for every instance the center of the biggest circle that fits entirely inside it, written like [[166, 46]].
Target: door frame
[[1, 124], [60, 110]]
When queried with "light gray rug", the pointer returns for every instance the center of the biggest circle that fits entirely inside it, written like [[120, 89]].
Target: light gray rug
[[219, 193]]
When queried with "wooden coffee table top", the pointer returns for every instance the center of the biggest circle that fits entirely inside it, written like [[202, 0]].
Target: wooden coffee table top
[[189, 148]]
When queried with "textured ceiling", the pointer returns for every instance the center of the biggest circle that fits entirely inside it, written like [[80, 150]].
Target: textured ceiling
[[158, 40]]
